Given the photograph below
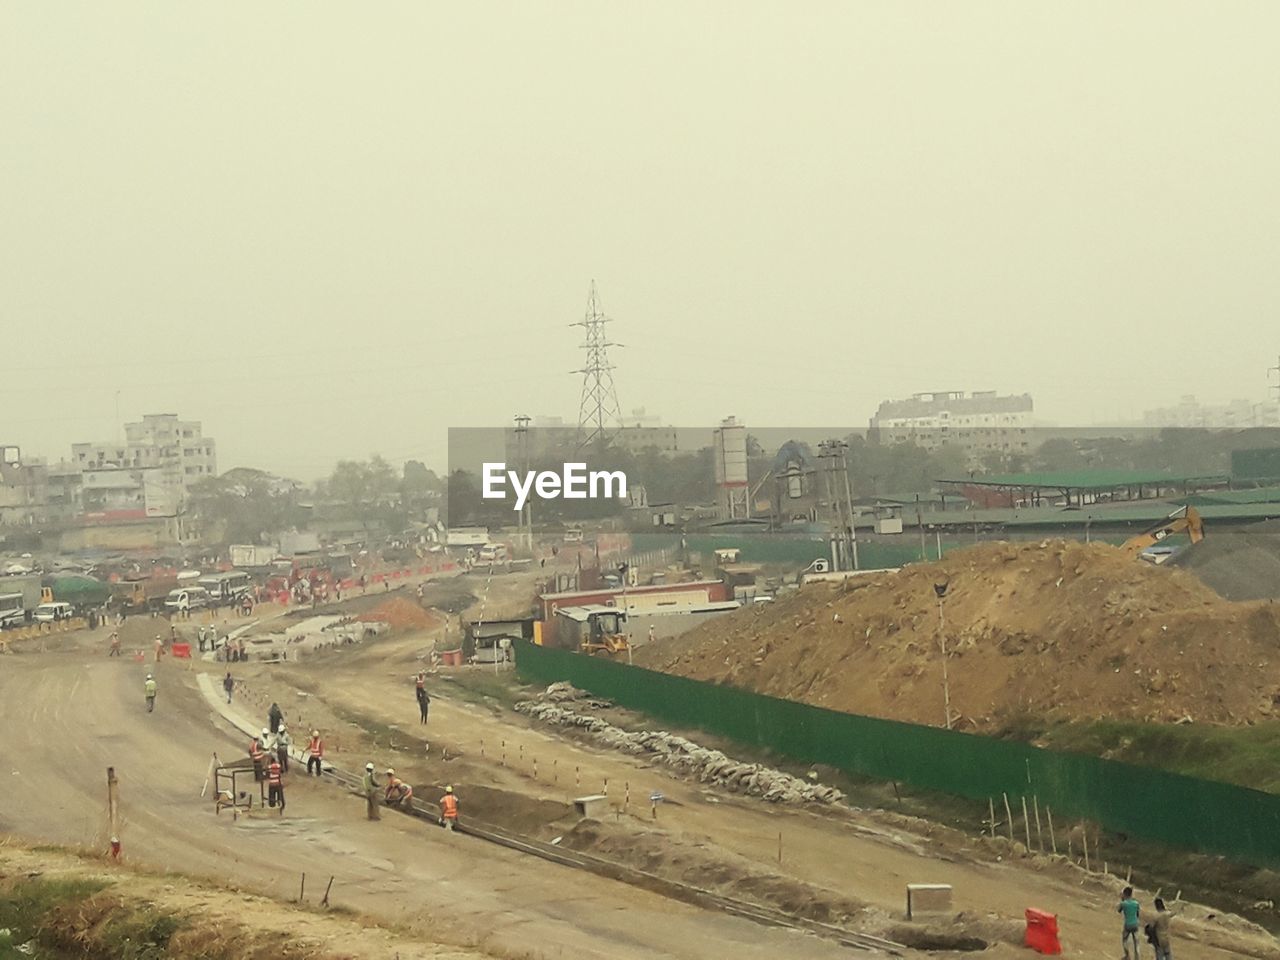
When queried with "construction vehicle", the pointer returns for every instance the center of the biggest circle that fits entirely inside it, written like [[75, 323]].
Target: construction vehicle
[[142, 594], [603, 631], [1183, 520]]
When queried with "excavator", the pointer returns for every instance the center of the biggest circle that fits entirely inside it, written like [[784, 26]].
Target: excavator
[[1184, 520]]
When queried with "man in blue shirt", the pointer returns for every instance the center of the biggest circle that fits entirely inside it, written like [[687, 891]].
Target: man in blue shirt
[[1130, 909]]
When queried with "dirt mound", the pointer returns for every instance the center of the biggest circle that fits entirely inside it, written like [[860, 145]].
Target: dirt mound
[[1239, 564], [675, 858], [1061, 629], [402, 614]]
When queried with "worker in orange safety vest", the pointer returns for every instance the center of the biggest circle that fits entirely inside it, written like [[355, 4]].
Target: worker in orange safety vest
[[315, 752], [258, 755], [449, 809], [275, 786]]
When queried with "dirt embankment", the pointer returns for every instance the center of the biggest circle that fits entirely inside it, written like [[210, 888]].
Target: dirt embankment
[[1056, 629], [57, 903], [1239, 564]]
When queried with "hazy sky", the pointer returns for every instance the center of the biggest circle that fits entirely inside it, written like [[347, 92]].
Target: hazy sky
[[328, 229]]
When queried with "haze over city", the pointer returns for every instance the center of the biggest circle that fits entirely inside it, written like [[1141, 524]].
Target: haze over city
[[327, 232]]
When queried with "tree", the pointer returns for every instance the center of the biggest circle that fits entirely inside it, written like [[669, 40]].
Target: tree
[[249, 504], [368, 489]]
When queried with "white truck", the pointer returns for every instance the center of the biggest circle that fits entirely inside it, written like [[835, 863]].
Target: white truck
[[249, 556]]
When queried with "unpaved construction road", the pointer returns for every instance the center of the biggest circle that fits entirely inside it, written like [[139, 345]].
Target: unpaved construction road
[[70, 712]]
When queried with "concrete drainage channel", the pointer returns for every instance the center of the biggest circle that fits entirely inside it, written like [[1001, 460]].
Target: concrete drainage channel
[[683, 892]]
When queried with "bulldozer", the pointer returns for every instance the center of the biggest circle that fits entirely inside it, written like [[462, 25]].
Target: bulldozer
[[1183, 520], [604, 633]]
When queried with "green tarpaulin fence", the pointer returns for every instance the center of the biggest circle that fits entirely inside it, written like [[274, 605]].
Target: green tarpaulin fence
[[1186, 812]]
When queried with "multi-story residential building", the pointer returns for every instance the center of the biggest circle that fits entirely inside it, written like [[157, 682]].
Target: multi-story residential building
[[1238, 414], [176, 449], [981, 423]]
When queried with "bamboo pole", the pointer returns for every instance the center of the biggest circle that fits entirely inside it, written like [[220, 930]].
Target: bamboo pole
[[991, 811], [1084, 839], [1008, 812], [1026, 822], [1052, 837], [1035, 802]]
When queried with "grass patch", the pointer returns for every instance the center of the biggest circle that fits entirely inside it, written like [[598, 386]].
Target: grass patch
[[28, 904], [1245, 756], [484, 687]]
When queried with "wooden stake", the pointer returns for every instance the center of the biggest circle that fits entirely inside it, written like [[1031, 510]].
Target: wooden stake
[[535, 768], [303, 888], [1008, 812], [1052, 837], [779, 846], [991, 812], [555, 771], [1084, 840], [113, 803], [1026, 822], [1035, 802], [324, 901]]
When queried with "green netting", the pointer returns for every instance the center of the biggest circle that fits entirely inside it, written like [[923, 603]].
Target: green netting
[[1187, 812]]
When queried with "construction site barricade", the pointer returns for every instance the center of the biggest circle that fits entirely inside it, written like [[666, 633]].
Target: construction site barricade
[[451, 658], [181, 651], [1042, 932]]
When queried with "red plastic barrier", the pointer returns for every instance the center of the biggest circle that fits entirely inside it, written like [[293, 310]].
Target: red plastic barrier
[[181, 651], [1042, 932]]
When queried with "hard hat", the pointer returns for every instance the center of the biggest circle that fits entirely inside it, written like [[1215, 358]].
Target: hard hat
[[265, 730], [148, 676], [390, 772], [448, 789], [315, 733], [369, 767]]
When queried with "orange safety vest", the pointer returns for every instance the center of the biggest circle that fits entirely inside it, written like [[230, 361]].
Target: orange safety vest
[[255, 750], [316, 746], [450, 804], [273, 775]]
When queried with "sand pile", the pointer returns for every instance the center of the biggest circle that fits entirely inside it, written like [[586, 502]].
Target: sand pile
[[402, 614], [1240, 564], [1060, 629]]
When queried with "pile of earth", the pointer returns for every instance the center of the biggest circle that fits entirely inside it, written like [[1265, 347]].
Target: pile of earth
[[1057, 629], [1240, 564], [403, 614]]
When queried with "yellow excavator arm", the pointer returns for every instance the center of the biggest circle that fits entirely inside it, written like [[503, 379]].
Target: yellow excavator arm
[[1185, 520]]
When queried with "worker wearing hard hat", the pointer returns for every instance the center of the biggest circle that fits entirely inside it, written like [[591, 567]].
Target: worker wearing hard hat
[[449, 809], [399, 794], [149, 690], [315, 753], [259, 757], [370, 787]]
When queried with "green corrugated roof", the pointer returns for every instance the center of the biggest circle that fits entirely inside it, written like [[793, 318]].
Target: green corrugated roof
[[1082, 479]]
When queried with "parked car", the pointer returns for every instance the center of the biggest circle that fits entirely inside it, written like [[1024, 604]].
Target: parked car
[[49, 612]]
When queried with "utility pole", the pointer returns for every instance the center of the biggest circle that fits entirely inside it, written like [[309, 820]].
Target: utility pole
[[525, 518], [940, 589], [599, 416]]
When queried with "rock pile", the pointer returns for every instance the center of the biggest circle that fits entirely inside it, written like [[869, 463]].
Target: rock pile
[[708, 766]]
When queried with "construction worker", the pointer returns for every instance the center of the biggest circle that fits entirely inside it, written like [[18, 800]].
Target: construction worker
[[399, 794], [115, 644], [449, 809], [315, 752], [149, 690], [159, 648], [275, 716], [258, 756], [424, 698], [370, 786], [275, 786], [283, 743], [228, 684]]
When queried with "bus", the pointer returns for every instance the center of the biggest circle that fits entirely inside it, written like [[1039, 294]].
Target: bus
[[226, 589]]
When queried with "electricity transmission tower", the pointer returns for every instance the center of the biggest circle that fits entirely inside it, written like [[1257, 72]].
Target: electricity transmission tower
[[599, 417]]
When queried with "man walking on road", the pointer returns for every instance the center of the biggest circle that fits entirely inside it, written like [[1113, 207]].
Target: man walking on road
[[315, 752], [424, 699], [275, 786], [228, 684], [1130, 910], [149, 689], [115, 644], [370, 786]]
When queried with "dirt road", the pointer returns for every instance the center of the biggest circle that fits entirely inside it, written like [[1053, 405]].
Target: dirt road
[[69, 713]]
